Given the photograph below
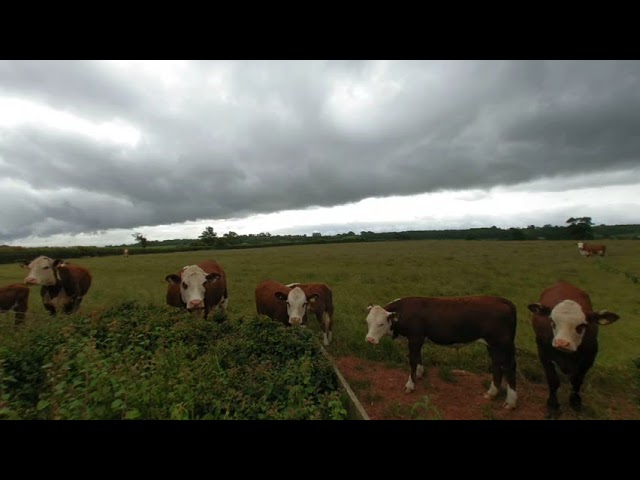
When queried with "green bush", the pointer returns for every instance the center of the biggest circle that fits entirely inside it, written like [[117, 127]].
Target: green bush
[[146, 362]]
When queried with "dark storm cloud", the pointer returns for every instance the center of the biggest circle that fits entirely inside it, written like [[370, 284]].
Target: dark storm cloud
[[227, 139]]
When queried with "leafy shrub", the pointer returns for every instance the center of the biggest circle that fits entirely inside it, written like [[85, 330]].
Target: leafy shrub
[[145, 362]]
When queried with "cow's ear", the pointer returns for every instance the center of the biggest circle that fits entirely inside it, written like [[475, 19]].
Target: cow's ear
[[281, 296], [313, 298], [58, 262], [393, 316], [369, 307], [173, 278], [603, 317], [212, 277], [23, 264], [539, 309]]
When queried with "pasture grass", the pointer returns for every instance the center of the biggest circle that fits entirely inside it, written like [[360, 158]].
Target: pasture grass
[[380, 272]]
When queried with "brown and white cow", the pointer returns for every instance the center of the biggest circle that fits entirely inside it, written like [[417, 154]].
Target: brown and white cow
[[199, 288], [125, 252], [591, 249], [452, 322], [321, 306], [15, 297], [566, 329], [283, 304], [63, 285]]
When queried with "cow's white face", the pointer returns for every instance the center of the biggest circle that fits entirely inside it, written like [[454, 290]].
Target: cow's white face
[[379, 322], [193, 281], [580, 245], [41, 271], [568, 323], [297, 304]]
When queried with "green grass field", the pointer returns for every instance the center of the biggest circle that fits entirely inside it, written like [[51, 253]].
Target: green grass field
[[365, 273]]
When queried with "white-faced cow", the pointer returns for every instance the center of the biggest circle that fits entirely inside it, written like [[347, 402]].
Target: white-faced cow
[[566, 329], [283, 304], [591, 249], [63, 285], [452, 322], [199, 288], [321, 306], [15, 297], [125, 252]]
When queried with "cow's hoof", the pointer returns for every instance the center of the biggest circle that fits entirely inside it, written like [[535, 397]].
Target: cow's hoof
[[508, 406], [575, 402]]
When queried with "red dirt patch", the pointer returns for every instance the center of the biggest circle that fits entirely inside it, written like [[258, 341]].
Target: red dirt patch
[[452, 395]]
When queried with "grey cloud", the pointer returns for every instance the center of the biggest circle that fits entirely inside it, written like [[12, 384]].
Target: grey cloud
[[270, 136]]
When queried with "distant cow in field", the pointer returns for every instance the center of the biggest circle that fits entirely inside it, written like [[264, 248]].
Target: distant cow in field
[[452, 322], [198, 288], [15, 297], [63, 285], [566, 329], [283, 304], [321, 306], [125, 252], [591, 249]]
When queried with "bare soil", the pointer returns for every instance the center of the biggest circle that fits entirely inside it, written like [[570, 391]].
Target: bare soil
[[454, 395]]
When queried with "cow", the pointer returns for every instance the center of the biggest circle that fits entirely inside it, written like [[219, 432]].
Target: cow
[[566, 331], [283, 304], [198, 288], [15, 297], [591, 249], [452, 322], [63, 285], [321, 306], [125, 252]]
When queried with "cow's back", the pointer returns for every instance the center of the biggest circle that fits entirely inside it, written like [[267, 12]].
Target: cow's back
[[266, 302], [458, 319], [324, 303]]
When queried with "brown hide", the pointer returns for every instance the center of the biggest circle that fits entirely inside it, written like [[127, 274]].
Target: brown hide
[[15, 297], [267, 304]]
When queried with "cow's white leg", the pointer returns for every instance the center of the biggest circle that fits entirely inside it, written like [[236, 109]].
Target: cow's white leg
[[492, 392], [512, 399], [419, 371], [409, 386], [325, 339], [326, 322], [330, 335]]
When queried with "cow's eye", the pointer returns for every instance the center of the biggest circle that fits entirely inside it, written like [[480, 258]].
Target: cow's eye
[[45, 268], [381, 324], [184, 285], [553, 324], [581, 328], [305, 304], [287, 304]]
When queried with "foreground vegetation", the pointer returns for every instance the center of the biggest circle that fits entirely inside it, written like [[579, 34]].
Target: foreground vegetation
[[379, 272], [133, 361]]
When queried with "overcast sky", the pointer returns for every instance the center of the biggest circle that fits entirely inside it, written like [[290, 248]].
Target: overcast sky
[[93, 151]]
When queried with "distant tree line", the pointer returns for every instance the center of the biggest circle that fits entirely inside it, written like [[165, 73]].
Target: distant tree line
[[580, 228]]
